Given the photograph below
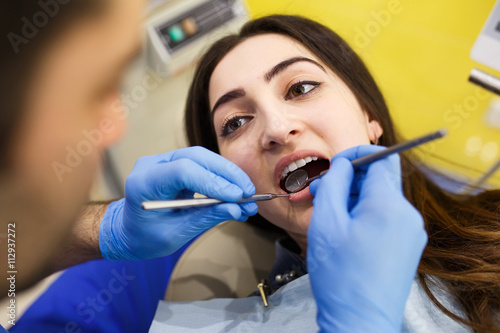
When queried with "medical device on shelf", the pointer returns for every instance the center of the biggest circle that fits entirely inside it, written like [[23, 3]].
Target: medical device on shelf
[[181, 30]]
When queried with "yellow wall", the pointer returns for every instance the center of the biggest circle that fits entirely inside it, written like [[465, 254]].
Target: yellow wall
[[419, 55]]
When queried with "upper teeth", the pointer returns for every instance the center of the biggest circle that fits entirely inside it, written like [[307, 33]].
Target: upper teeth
[[297, 164]]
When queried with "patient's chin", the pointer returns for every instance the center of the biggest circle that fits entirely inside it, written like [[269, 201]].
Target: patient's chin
[[291, 220]]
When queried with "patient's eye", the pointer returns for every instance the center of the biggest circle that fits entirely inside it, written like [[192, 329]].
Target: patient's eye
[[234, 123], [301, 89]]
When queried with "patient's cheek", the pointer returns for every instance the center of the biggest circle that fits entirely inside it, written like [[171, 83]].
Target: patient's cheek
[[247, 164]]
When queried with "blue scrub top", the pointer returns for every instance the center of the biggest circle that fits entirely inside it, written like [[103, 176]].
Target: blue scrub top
[[101, 296]]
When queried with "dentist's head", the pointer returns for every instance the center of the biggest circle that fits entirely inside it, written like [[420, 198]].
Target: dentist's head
[[61, 64]]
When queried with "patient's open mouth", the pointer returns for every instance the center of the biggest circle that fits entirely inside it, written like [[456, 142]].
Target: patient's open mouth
[[312, 165]]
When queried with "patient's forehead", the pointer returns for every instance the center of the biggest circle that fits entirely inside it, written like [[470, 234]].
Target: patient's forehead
[[251, 59]]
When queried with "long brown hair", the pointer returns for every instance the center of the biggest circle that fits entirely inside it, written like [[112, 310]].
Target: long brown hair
[[463, 251]]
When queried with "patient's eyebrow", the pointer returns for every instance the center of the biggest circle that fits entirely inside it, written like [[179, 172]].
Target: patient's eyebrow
[[227, 97], [286, 63], [238, 93]]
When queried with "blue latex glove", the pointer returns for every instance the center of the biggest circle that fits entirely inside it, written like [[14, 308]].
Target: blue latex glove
[[365, 241], [128, 232]]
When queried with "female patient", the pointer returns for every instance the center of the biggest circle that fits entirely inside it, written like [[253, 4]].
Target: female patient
[[288, 93]]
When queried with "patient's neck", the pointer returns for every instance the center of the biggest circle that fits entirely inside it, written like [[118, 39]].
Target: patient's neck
[[301, 241]]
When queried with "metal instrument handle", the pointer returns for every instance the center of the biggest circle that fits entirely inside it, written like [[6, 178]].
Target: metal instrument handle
[[199, 202]]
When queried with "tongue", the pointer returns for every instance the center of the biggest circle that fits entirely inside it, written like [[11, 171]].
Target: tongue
[[314, 168]]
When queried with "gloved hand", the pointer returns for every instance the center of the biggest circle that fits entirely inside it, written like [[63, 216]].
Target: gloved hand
[[128, 232], [365, 241]]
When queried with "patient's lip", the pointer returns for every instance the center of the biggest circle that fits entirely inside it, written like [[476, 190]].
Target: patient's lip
[[283, 162], [302, 195]]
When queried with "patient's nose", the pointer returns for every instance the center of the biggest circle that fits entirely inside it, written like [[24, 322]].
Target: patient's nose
[[280, 130]]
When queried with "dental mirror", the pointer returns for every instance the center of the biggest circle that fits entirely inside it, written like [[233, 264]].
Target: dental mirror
[[296, 180], [299, 178]]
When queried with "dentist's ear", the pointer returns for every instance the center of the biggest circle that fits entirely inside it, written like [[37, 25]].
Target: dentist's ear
[[375, 131]]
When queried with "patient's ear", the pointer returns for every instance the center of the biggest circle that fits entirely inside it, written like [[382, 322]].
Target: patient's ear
[[375, 131]]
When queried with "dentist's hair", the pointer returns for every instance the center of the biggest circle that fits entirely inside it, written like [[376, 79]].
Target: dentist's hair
[[28, 29], [463, 251]]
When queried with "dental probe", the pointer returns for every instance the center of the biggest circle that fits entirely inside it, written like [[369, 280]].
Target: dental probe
[[398, 148], [200, 202]]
